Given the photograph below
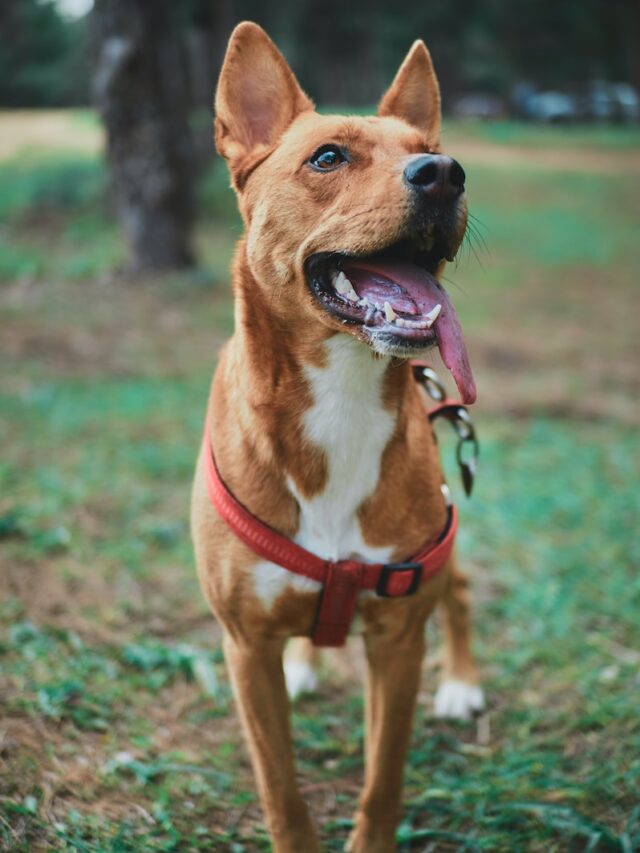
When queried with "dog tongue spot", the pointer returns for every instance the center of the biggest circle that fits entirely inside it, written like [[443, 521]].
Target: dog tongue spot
[[412, 290]]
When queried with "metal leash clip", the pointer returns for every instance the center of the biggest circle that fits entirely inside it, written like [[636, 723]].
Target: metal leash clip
[[466, 439], [430, 381], [468, 448]]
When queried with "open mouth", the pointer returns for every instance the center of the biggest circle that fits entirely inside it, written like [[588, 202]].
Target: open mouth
[[394, 297]]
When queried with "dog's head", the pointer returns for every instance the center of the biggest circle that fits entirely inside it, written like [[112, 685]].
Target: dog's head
[[350, 220]]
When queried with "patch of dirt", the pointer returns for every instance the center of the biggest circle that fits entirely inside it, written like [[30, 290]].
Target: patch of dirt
[[117, 326], [569, 352], [28, 131]]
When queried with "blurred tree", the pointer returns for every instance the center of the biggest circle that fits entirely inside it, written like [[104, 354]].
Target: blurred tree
[[141, 88], [203, 22], [343, 53], [42, 56]]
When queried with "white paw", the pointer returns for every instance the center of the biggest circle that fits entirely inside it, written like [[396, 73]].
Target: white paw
[[458, 700], [300, 678]]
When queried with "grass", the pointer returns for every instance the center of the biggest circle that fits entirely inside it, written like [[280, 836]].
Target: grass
[[118, 729], [572, 136]]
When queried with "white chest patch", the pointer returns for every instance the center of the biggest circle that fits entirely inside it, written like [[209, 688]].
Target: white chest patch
[[348, 421]]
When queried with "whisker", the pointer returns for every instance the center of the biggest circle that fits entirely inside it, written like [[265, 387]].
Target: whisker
[[473, 230], [469, 242], [454, 284], [478, 221]]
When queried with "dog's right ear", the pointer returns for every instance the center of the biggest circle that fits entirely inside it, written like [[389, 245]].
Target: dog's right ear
[[257, 98]]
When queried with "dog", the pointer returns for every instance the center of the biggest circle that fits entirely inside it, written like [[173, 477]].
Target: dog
[[316, 452]]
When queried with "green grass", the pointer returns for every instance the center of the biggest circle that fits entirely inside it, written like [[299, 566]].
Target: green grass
[[58, 221], [563, 765], [516, 133], [56, 218], [118, 729], [545, 227], [61, 184]]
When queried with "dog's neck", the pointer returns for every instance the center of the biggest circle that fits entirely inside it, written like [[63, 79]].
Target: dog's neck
[[298, 368], [277, 342], [307, 422]]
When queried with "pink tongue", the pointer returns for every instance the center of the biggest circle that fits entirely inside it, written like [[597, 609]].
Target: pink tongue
[[411, 290]]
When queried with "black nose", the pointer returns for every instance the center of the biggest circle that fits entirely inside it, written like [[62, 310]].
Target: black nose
[[439, 177]]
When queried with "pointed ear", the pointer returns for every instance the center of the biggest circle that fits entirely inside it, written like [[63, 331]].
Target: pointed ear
[[414, 94], [257, 97]]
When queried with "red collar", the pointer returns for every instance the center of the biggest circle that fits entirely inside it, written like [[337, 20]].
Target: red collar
[[341, 580]]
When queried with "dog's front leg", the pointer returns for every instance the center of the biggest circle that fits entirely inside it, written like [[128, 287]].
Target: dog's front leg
[[394, 676], [459, 695], [259, 686]]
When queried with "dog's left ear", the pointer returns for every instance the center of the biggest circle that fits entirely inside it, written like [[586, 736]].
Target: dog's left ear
[[258, 95], [414, 95]]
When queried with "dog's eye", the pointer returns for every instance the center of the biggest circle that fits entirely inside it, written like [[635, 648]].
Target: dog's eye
[[327, 157]]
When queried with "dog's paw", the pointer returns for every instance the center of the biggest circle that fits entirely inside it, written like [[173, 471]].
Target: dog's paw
[[458, 700], [300, 678]]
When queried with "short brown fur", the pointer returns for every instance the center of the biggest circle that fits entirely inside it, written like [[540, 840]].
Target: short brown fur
[[266, 128]]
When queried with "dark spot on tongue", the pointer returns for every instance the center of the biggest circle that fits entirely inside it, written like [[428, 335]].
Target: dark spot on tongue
[[412, 290]]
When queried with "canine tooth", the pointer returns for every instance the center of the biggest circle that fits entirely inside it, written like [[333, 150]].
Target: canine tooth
[[341, 282], [389, 313], [433, 315], [344, 287]]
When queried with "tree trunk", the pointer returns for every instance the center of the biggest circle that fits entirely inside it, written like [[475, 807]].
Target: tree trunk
[[140, 85], [210, 24]]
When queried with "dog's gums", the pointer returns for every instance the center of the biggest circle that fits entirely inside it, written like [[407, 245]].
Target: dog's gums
[[396, 301]]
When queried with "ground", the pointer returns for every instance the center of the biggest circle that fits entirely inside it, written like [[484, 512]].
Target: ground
[[118, 731]]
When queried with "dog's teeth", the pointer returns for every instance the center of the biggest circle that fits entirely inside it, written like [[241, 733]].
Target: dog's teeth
[[413, 324], [389, 313], [344, 287], [433, 315], [401, 322], [341, 282]]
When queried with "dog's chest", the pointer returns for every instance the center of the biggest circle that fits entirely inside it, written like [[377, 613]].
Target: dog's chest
[[349, 422]]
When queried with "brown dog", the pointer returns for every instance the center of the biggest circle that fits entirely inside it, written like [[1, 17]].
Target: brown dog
[[316, 425]]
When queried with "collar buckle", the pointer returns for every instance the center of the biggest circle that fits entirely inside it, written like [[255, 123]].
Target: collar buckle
[[388, 579]]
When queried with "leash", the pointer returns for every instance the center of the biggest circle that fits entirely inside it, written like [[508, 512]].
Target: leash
[[468, 448], [342, 580]]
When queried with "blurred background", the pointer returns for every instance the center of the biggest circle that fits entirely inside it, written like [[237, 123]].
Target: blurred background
[[117, 225]]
